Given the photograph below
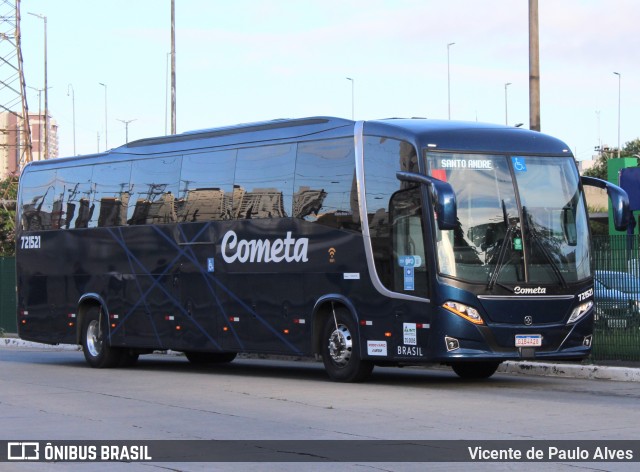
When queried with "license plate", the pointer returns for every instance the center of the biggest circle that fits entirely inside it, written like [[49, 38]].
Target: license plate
[[528, 340]]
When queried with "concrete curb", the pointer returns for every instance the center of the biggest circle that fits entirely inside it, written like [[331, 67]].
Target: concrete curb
[[17, 342], [576, 371]]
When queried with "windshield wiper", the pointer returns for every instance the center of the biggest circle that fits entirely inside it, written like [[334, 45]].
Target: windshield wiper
[[536, 238], [501, 255], [511, 228]]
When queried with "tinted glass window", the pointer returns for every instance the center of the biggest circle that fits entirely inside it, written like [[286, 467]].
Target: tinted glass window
[[112, 192], [326, 190], [153, 190], [383, 157], [38, 194], [410, 268], [206, 186], [264, 182], [74, 196]]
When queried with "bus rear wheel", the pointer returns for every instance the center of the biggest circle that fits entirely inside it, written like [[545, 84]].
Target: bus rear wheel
[[95, 345], [475, 370], [341, 350]]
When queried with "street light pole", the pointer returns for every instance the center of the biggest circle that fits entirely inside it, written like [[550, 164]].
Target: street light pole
[[353, 107], [106, 132], [619, 80], [73, 110], [506, 106], [173, 67], [39, 120], [46, 88], [449, 79], [126, 128]]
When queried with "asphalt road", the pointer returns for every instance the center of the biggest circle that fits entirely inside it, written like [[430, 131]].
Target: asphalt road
[[52, 395]]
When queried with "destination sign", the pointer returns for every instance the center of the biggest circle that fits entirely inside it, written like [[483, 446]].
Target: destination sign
[[480, 164]]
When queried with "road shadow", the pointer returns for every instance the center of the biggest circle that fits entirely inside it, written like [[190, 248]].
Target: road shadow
[[276, 367]]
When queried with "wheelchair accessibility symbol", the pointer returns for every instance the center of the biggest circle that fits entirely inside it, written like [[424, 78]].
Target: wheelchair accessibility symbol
[[519, 164]]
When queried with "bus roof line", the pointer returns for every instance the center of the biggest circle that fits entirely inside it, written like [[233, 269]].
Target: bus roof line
[[233, 130]]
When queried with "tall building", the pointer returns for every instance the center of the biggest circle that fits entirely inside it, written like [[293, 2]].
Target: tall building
[[36, 122], [12, 141]]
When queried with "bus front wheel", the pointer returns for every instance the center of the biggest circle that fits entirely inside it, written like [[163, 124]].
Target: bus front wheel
[[475, 370], [341, 350], [97, 351]]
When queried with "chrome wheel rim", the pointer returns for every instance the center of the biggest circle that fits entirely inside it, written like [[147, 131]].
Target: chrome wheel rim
[[94, 338], [340, 346]]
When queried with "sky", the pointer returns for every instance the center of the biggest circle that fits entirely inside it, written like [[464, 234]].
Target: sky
[[252, 60]]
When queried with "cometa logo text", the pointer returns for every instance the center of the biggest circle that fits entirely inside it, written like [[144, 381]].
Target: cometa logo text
[[529, 290], [264, 250]]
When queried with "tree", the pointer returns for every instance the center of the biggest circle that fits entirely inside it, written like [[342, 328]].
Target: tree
[[632, 148], [8, 193], [599, 169]]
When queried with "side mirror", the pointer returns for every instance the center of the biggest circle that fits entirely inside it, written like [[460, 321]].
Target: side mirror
[[443, 194], [619, 201]]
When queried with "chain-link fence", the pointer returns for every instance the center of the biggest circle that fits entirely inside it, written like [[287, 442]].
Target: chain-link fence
[[616, 261], [7, 295]]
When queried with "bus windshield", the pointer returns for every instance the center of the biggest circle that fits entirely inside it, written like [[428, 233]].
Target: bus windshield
[[521, 219]]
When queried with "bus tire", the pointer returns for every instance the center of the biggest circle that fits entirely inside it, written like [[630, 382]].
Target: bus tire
[[475, 370], [95, 346], [196, 357], [341, 350]]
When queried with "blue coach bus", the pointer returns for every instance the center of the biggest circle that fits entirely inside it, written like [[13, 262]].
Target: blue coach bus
[[385, 242]]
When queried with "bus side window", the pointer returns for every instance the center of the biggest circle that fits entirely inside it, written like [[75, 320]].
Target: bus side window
[[206, 186], [74, 196], [154, 191], [325, 182], [263, 186], [383, 158], [38, 196], [112, 193], [409, 258]]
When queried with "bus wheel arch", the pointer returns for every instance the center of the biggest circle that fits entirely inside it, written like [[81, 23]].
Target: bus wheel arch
[[86, 305], [337, 340], [322, 311]]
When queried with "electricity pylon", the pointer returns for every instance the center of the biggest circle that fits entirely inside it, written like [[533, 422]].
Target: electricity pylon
[[15, 132]]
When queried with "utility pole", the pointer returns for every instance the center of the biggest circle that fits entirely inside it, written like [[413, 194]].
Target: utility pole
[[173, 66], [449, 80], [534, 67], [619, 80]]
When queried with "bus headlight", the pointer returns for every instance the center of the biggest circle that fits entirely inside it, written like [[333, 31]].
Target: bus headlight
[[464, 311], [579, 311]]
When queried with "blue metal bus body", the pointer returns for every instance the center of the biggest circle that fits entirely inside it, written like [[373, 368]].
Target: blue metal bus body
[[370, 243]]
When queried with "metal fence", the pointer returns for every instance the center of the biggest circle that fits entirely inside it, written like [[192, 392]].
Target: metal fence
[[7, 294], [616, 262]]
